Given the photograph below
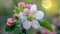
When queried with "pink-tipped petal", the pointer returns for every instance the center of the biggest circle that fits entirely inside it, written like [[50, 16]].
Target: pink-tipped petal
[[28, 5], [33, 8], [26, 11]]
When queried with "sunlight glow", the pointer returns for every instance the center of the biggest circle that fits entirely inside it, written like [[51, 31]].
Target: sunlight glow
[[47, 4]]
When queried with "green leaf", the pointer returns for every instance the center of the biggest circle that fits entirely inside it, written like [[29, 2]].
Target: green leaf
[[45, 25], [21, 9], [16, 9], [10, 28]]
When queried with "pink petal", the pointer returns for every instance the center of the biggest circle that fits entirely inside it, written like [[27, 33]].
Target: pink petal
[[26, 11], [28, 5]]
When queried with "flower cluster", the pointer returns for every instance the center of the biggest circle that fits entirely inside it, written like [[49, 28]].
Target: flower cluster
[[28, 14]]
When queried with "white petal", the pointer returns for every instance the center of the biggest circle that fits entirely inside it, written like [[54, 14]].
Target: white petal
[[39, 15], [22, 16], [35, 24], [33, 8], [26, 24]]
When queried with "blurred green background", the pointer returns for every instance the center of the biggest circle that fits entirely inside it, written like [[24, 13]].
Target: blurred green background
[[6, 11]]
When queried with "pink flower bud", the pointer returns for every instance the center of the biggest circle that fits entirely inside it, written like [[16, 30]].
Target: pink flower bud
[[45, 31], [21, 4], [10, 20], [26, 11], [15, 15], [28, 5]]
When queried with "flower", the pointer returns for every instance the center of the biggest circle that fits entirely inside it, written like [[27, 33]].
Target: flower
[[10, 21], [30, 17], [21, 4]]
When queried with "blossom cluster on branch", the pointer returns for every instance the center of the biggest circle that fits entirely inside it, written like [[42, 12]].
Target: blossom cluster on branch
[[26, 16]]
